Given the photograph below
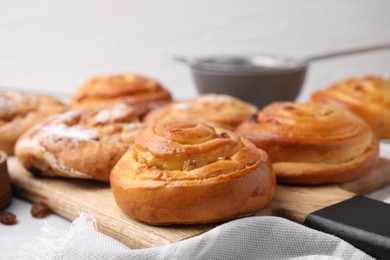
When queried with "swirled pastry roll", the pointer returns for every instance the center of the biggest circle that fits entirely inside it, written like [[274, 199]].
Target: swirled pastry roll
[[216, 110], [78, 145], [143, 94], [313, 143], [186, 172], [367, 97], [19, 112]]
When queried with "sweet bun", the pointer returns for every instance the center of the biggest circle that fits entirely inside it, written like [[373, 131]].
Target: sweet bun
[[216, 110], [78, 145], [19, 112], [183, 172], [143, 94], [313, 143], [367, 97]]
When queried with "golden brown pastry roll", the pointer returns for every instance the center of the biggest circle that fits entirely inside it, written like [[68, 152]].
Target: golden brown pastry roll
[[183, 172], [143, 94], [216, 110], [19, 112], [313, 143], [367, 97], [78, 145]]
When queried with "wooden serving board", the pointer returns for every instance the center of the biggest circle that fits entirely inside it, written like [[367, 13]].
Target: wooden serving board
[[68, 197]]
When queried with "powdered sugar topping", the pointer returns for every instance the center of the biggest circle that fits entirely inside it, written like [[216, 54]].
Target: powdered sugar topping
[[75, 132], [10, 99], [181, 105], [215, 99], [114, 113]]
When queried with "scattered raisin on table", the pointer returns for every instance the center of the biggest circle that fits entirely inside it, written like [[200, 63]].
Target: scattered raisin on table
[[39, 210], [7, 218]]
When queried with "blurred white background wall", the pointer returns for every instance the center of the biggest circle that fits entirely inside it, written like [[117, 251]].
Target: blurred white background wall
[[56, 45]]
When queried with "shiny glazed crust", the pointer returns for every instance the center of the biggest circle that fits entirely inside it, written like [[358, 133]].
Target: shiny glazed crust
[[78, 145], [216, 110], [19, 112], [143, 94], [182, 172], [313, 143], [367, 97]]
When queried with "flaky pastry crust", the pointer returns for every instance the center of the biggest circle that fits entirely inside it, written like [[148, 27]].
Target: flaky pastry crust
[[79, 145], [183, 172], [213, 109], [313, 143], [19, 112], [367, 97], [143, 94]]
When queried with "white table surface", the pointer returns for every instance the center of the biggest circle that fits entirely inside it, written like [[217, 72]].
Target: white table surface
[[28, 228]]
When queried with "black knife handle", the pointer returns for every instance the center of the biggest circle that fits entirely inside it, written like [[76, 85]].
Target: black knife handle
[[361, 221]]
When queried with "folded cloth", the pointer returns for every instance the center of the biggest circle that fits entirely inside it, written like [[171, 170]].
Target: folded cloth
[[247, 238]]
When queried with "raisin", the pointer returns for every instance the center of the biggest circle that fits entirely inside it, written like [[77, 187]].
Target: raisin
[[289, 108], [358, 87], [7, 218], [328, 112], [39, 210], [254, 118], [223, 135], [189, 165]]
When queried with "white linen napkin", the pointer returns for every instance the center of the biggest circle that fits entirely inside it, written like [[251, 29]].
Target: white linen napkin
[[247, 238]]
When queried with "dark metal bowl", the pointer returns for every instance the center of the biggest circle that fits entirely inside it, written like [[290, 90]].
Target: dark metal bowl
[[257, 79]]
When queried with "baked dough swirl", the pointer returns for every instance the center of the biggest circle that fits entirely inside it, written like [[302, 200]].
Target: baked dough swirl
[[78, 145], [143, 94], [183, 172], [19, 112], [313, 143], [367, 97], [216, 110]]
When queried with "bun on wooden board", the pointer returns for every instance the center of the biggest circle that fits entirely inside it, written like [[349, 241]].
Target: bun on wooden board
[[213, 109], [184, 172], [313, 143], [79, 145], [367, 97], [143, 94], [20, 111]]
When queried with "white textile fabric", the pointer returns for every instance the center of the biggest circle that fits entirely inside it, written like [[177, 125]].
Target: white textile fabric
[[247, 238]]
